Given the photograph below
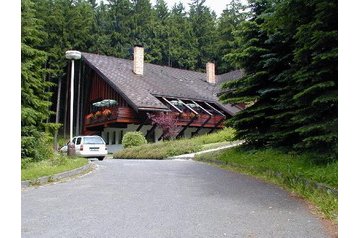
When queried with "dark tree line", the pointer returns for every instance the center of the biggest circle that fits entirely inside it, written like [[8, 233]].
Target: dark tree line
[[288, 49]]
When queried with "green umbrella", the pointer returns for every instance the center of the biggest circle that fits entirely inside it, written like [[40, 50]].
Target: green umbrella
[[105, 103]]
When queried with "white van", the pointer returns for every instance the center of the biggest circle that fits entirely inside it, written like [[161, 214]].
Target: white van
[[88, 147]]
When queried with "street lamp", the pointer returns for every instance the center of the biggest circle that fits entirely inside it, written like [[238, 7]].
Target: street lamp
[[72, 55]]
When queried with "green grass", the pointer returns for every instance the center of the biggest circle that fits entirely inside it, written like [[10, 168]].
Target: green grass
[[297, 173], [162, 150], [215, 145], [58, 164]]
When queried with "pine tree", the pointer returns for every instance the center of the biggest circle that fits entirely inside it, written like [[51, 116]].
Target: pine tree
[[251, 52], [289, 52], [229, 22], [34, 95], [203, 23], [315, 74], [183, 45], [159, 36]]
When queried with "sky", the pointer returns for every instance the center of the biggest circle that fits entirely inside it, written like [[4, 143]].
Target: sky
[[217, 5]]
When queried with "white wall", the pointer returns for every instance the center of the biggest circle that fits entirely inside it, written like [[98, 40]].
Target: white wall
[[115, 145]]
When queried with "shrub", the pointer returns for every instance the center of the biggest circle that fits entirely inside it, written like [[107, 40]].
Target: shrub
[[36, 147], [133, 138], [162, 150]]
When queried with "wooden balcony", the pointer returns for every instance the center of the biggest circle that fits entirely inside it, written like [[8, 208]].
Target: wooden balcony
[[199, 120], [127, 115], [111, 115]]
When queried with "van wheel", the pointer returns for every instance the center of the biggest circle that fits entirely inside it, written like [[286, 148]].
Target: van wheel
[[100, 158]]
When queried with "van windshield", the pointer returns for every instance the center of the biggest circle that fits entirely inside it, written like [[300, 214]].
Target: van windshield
[[92, 140]]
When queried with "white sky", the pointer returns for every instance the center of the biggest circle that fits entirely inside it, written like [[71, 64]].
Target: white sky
[[217, 5]]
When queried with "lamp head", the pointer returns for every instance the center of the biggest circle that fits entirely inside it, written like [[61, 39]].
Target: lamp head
[[73, 55]]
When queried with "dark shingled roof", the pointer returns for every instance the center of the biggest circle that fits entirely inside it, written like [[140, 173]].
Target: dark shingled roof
[[141, 90]]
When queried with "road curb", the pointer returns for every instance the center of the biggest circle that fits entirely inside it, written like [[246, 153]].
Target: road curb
[[56, 177]]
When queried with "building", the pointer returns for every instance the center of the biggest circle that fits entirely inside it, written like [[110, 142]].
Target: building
[[117, 95]]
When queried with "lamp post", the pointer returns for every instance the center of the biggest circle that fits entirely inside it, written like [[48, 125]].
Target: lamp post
[[72, 55]]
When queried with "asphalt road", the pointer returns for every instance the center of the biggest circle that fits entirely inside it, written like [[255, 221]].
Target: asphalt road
[[176, 198]]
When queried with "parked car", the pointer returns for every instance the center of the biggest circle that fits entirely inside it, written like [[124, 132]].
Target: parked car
[[88, 147]]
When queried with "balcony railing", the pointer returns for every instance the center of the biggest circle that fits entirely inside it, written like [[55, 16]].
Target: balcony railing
[[128, 115], [199, 120], [113, 114]]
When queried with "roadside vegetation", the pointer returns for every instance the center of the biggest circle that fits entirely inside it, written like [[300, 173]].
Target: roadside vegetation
[[57, 164], [303, 174], [162, 150]]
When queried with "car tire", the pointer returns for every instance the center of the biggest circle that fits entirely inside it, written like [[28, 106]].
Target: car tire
[[100, 158]]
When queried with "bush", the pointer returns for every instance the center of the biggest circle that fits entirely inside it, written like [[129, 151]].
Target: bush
[[36, 147], [162, 150], [133, 138]]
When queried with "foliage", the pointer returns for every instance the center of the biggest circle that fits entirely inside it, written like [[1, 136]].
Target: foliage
[[35, 97], [162, 150], [133, 138], [288, 49], [202, 20], [297, 172], [291, 77], [167, 123], [228, 23], [57, 164]]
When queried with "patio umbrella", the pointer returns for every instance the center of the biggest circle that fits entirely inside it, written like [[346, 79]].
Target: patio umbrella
[[105, 103], [97, 104], [109, 102]]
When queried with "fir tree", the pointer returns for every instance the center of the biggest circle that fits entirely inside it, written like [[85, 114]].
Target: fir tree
[[35, 98], [203, 23]]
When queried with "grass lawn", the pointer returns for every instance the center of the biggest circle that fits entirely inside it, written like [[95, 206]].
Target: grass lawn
[[162, 150], [296, 173], [53, 166]]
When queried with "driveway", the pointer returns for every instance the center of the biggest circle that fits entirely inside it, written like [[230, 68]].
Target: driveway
[[171, 198]]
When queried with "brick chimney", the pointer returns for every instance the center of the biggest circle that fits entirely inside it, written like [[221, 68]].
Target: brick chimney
[[210, 73], [138, 60]]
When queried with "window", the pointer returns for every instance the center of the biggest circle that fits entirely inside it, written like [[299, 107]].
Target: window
[[114, 138], [107, 138], [92, 140], [120, 137], [78, 141]]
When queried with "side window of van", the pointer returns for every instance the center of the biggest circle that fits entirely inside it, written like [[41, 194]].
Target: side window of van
[[79, 141]]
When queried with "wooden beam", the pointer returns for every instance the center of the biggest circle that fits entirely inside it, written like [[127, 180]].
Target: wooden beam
[[216, 125], [202, 108], [202, 125], [142, 124], [151, 130], [186, 126], [171, 104], [187, 106], [215, 109], [140, 127]]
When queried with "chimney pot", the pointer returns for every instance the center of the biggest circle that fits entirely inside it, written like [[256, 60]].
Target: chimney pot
[[210, 73], [138, 60]]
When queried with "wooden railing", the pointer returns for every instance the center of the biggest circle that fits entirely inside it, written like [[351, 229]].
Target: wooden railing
[[128, 115], [118, 114], [199, 120]]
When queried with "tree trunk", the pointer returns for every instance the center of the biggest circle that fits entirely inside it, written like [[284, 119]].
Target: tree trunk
[[57, 111]]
